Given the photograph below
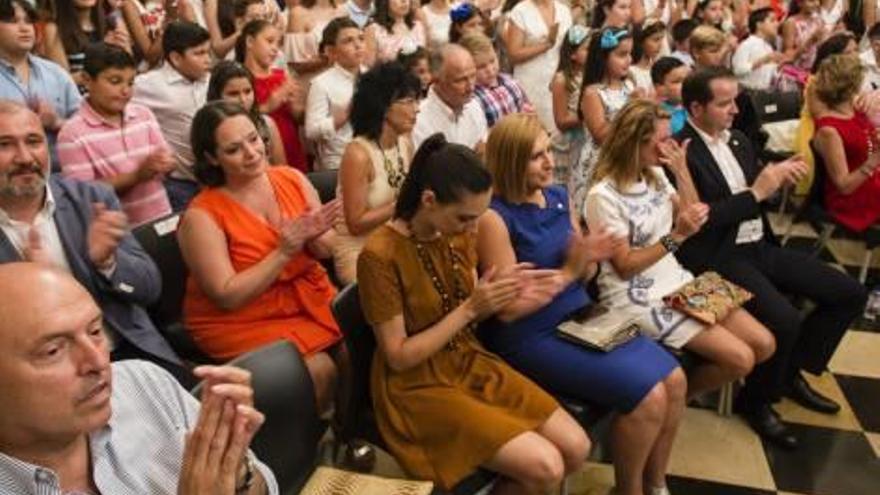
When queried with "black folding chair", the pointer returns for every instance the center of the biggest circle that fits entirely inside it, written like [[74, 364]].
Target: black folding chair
[[159, 240], [325, 183]]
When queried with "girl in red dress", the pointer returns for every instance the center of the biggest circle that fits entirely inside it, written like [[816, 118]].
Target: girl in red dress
[[275, 91]]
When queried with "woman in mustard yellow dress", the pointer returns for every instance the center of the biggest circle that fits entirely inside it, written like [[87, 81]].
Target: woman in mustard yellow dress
[[444, 405]]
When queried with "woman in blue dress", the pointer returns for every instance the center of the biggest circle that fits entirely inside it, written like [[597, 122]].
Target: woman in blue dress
[[529, 221]]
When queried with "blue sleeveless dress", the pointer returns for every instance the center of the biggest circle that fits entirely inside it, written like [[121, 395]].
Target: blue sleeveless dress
[[617, 379]]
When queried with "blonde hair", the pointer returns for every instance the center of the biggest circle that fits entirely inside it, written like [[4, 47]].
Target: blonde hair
[[619, 156], [476, 42], [839, 79], [706, 37], [509, 151]]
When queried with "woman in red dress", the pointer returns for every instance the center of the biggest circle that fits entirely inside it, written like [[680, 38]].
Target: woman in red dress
[[847, 142]]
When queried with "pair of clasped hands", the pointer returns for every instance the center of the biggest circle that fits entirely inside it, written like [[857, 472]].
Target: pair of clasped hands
[[499, 287], [214, 452]]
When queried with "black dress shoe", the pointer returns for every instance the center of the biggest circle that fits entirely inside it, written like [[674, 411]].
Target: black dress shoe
[[767, 424], [360, 456], [805, 395]]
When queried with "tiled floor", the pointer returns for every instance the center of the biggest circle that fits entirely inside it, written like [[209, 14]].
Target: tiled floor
[[839, 454]]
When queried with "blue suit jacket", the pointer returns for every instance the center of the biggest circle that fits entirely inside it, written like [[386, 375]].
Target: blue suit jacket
[[134, 285]]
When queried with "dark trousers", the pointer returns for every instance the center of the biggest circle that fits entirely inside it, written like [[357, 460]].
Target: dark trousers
[[806, 343], [180, 192]]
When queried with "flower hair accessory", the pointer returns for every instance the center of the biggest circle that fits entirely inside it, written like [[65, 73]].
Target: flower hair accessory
[[611, 38], [462, 12], [577, 34]]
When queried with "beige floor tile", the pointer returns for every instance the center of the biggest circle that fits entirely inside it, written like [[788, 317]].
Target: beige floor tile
[[737, 456], [827, 385], [788, 493], [858, 354], [593, 479], [874, 440]]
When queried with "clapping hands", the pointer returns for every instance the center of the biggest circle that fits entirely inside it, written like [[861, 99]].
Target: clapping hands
[[296, 233], [215, 449]]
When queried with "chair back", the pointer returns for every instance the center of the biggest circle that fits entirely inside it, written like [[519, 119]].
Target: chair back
[[324, 182], [355, 408], [283, 391], [775, 106], [159, 240]]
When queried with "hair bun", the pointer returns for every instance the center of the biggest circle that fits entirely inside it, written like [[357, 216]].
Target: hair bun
[[435, 142]]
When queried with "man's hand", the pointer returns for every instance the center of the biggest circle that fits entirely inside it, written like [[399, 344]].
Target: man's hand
[[35, 251], [46, 112], [105, 233], [777, 175], [215, 450]]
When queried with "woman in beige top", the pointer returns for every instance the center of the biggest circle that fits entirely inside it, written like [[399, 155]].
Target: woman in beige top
[[383, 112]]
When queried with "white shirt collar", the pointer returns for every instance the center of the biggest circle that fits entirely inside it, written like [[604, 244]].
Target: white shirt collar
[[445, 109], [723, 138], [47, 211], [172, 76], [345, 72]]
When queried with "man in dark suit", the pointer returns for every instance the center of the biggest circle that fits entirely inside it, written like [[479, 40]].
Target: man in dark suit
[[738, 243], [77, 227]]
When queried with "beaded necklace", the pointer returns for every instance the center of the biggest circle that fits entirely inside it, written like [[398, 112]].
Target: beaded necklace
[[395, 174], [449, 301]]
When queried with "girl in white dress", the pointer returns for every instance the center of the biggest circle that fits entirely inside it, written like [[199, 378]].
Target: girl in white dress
[[647, 46], [437, 20], [605, 88], [535, 30], [566, 91], [394, 26], [633, 198], [305, 28]]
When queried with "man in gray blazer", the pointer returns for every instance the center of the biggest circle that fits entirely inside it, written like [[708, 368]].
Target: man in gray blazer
[[79, 228]]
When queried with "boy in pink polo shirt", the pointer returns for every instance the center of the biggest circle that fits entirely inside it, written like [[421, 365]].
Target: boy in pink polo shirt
[[114, 141]]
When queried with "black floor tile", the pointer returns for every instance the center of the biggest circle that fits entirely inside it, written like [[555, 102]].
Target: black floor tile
[[828, 462], [863, 394], [690, 486]]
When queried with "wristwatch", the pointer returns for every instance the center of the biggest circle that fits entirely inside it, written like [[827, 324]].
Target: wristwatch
[[247, 481], [669, 244]]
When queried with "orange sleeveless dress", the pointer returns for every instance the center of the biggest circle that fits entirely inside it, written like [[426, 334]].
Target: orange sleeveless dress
[[296, 307]]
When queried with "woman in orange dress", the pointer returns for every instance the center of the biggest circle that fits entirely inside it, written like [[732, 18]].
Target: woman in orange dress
[[250, 240]]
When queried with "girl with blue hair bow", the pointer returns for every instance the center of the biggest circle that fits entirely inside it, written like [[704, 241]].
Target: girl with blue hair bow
[[605, 88]]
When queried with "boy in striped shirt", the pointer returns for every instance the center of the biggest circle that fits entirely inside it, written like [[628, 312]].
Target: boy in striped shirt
[[114, 141]]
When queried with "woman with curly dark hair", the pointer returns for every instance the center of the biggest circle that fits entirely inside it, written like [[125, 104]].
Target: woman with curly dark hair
[[394, 26], [383, 112]]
